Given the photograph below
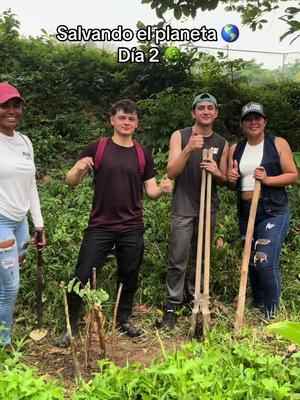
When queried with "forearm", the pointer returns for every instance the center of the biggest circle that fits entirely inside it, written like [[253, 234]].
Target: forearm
[[220, 179], [35, 207], [74, 176], [155, 193], [175, 167], [288, 178]]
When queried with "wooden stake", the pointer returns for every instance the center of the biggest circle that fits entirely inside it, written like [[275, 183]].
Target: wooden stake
[[100, 326], [69, 330], [94, 286], [87, 340], [90, 323], [99, 318], [115, 316]]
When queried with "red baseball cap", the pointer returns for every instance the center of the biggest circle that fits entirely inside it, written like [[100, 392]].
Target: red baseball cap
[[8, 92]]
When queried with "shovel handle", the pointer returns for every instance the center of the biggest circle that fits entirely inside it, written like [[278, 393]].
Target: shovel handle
[[39, 282], [246, 258], [200, 236]]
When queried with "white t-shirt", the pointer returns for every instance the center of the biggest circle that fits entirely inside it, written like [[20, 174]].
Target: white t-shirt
[[18, 191]]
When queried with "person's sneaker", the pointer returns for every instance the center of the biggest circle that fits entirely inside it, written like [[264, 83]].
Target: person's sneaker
[[130, 329], [270, 316], [64, 340], [169, 320]]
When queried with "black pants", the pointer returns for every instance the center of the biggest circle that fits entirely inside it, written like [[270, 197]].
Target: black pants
[[96, 244]]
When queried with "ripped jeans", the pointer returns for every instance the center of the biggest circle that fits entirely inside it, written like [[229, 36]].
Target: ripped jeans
[[14, 237], [268, 237]]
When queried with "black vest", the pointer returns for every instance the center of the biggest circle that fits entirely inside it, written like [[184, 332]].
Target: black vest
[[186, 197], [274, 198]]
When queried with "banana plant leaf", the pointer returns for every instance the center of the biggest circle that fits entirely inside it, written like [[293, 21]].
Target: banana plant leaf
[[288, 330]]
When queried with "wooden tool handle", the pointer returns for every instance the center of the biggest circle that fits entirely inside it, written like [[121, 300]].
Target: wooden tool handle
[[200, 230], [246, 258], [207, 227]]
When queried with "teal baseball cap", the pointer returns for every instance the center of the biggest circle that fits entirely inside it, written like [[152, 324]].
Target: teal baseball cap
[[204, 97]]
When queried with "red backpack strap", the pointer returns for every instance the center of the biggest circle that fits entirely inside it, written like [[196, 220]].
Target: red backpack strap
[[99, 152], [141, 156]]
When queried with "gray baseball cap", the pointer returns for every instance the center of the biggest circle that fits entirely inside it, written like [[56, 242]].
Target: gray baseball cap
[[252, 107]]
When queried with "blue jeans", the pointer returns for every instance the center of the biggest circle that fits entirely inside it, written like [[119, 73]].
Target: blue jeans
[[14, 237], [268, 237]]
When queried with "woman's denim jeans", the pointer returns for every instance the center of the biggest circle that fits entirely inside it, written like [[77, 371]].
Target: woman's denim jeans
[[14, 237], [268, 237]]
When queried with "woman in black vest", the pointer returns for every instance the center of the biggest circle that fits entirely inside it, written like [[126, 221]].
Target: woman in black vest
[[268, 159]]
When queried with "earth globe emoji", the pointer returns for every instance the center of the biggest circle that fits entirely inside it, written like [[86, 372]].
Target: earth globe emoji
[[230, 33]]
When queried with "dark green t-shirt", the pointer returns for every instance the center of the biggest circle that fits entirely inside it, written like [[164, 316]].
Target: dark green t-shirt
[[117, 202], [186, 196]]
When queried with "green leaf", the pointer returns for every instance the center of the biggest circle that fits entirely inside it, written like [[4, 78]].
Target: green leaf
[[289, 330], [70, 285], [292, 10], [186, 10], [76, 288], [285, 35], [270, 384], [177, 12]]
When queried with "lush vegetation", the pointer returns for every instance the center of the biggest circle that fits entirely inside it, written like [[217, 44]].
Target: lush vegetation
[[218, 368], [68, 91], [17, 381]]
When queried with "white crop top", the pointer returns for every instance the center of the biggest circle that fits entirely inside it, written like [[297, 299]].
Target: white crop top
[[251, 159]]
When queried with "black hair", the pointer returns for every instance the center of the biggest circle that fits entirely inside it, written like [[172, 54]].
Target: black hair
[[127, 106]]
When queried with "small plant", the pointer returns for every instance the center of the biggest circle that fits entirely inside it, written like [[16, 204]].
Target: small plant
[[93, 299], [17, 381]]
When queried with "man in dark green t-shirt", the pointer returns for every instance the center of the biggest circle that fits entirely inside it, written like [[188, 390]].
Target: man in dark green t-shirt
[[117, 216], [185, 164]]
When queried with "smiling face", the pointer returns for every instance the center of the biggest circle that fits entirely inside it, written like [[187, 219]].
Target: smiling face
[[205, 113], [253, 125], [124, 124], [10, 114]]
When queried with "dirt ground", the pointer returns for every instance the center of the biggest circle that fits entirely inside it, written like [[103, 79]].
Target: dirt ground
[[54, 362]]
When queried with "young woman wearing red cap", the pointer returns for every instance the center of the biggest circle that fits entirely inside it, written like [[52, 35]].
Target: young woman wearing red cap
[[268, 159], [18, 195]]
